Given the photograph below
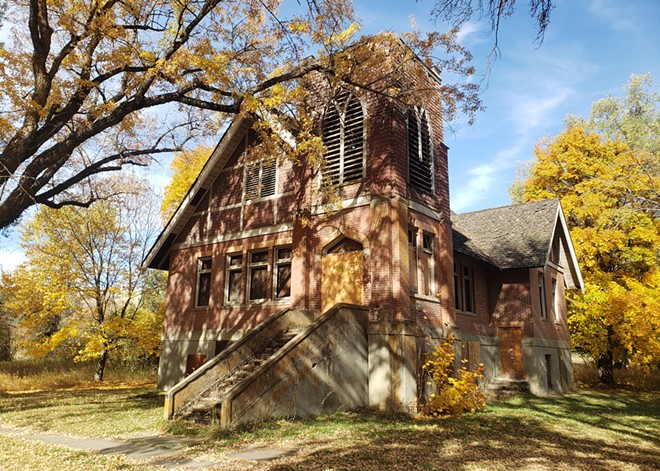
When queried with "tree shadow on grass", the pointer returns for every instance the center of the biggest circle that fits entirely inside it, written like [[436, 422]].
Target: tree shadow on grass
[[479, 441], [110, 399], [634, 414]]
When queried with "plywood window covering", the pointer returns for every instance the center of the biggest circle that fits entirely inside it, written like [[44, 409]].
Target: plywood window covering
[[542, 300], [203, 285], [283, 272], [258, 275], [420, 160], [234, 276], [260, 178], [427, 264], [412, 259], [471, 354], [343, 137], [464, 287]]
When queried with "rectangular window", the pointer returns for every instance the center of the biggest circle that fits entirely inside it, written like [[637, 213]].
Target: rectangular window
[[458, 287], [468, 289], [464, 287], [283, 272], [203, 294], [234, 276], [555, 301], [427, 264], [258, 275], [260, 178], [412, 259], [542, 300]]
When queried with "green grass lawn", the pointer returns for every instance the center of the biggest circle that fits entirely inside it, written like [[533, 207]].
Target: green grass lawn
[[591, 429]]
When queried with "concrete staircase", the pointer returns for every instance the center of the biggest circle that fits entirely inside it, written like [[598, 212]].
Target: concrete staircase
[[207, 407], [291, 365]]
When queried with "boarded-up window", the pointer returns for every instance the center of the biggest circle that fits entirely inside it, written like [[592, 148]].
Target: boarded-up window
[[258, 275], [203, 286], [234, 276], [471, 354], [420, 160], [283, 272], [343, 137], [260, 178]]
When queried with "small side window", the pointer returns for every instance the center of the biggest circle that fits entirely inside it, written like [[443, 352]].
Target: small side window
[[203, 286]]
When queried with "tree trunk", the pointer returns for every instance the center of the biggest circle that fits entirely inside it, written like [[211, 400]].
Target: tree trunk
[[606, 369], [100, 368]]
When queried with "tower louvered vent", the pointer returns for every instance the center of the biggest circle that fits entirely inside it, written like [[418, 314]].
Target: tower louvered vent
[[343, 136], [420, 160]]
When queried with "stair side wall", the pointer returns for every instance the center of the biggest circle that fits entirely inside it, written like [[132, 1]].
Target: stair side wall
[[325, 370]]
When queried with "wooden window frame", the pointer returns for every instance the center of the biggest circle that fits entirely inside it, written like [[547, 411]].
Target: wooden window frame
[[464, 287], [428, 265], [203, 273], [555, 301], [542, 297], [258, 265], [281, 262], [413, 269], [229, 270]]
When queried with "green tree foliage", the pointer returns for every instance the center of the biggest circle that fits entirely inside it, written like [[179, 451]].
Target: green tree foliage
[[606, 171], [82, 292], [186, 166], [90, 86]]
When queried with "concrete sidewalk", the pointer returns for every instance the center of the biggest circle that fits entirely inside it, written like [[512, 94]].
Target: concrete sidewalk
[[156, 450]]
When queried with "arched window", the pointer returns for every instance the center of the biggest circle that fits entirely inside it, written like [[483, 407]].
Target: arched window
[[420, 160], [343, 137]]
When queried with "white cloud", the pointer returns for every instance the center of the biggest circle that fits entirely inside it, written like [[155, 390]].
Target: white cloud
[[532, 111], [10, 258], [467, 29], [616, 15]]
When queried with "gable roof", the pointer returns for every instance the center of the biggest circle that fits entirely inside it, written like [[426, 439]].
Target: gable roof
[[517, 236], [158, 256]]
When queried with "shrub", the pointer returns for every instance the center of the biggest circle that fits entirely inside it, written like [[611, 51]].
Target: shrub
[[457, 391]]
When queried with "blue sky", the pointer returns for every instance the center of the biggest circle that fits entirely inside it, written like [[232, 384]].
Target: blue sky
[[590, 49]]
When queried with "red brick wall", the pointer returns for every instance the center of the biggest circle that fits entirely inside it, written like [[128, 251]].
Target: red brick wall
[[510, 299]]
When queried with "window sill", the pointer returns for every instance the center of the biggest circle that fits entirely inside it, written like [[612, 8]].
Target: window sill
[[424, 297], [466, 313]]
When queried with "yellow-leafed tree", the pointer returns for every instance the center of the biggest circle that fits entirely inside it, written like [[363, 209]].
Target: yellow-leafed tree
[[82, 292], [186, 166], [606, 171], [91, 86]]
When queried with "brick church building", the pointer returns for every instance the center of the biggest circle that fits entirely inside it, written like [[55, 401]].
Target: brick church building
[[282, 303]]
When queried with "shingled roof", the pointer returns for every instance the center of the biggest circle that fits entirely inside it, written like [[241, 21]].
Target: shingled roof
[[515, 236]]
